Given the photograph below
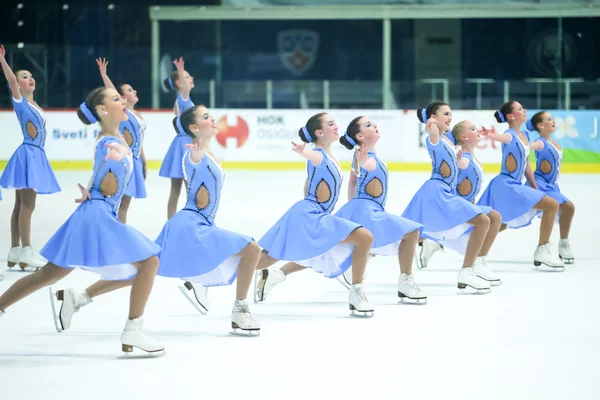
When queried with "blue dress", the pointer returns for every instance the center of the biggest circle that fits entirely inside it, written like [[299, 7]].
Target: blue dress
[[193, 248], [133, 131], [171, 166], [93, 238], [443, 214], [307, 233], [470, 181], [547, 170], [28, 167], [367, 208], [506, 192]]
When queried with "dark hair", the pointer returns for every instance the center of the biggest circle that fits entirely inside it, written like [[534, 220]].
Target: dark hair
[[120, 88], [535, 120], [173, 77], [352, 130], [507, 108], [430, 110], [93, 100], [187, 118], [311, 126]]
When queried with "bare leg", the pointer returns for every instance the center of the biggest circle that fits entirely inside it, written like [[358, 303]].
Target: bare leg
[[15, 237], [22, 288], [495, 222], [123, 208], [246, 268], [406, 251], [102, 287], [142, 286], [567, 211], [176, 184], [481, 225], [291, 267], [362, 240], [550, 208], [265, 261], [27, 206]]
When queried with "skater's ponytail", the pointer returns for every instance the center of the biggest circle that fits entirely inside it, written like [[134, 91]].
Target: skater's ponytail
[[87, 110], [534, 121], [507, 108], [349, 140], [169, 82], [307, 132], [425, 113], [183, 122]]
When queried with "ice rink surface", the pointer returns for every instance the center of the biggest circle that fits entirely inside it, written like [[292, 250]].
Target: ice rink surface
[[535, 337]]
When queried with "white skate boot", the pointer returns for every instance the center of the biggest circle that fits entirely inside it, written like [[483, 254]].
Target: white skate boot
[[358, 303], [72, 300], [13, 258], [408, 289], [346, 278], [482, 271], [467, 277], [134, 336], [197, 295], [428, 249], [242, 322], [564, 251], [32, 258], [269, 278], [543, 255]]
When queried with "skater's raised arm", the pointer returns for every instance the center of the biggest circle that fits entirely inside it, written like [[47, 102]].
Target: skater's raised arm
[[102, 66], [313, 156], [9, 74], [183, 78]]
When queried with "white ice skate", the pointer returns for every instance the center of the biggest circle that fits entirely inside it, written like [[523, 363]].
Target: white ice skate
[[31, 258], [564, 251], [197, 295], [72, 300], [482, 271], [134, 336], [13, 258], [346, 278], [408, 289], [428, 249], [467, 278], [358, 303], [269, 278], [242, 322], [543, 255]]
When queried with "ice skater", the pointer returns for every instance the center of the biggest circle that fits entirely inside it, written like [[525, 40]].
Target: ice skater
[[449, 219], [308, 235], [133, 131], [28, 171], [181, 82], [367, 196], [93, 238], [547, 172], [519, 204]]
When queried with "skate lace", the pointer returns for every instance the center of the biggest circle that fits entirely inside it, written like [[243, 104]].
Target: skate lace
[[566, 246], [360, 294], [412, 284]]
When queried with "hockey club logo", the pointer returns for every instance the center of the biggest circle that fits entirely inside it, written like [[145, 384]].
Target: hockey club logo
[[297, 49], [239, 131]]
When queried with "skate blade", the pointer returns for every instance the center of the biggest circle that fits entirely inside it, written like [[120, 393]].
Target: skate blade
[[402, 299], [192, 299], [245, 332], [256, 294], [464, 289], [543, 267], [418, 262], [362, 314], [259, 293], [55, 316], [129, 354]]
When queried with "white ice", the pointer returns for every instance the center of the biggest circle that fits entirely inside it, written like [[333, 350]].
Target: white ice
[[535, 337]]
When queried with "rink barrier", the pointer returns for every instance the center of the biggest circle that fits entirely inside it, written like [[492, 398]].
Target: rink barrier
[[261, 139]]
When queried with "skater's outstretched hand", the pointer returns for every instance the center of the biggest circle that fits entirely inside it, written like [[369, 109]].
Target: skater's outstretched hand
[[102, 65], [463, 163], [179, 63], [2, 52], [116, 151], [85, 194], [313, 156], [9, 74], [196, 151], [363, 159]]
